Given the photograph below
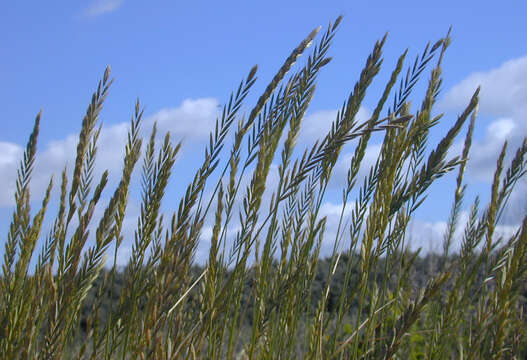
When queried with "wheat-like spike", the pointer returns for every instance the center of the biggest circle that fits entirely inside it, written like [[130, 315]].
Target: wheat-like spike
[[392, 142], [59, 233], [147, 175], [357, 217], [131, 156], [460, 189], [342, 128], [19, 223], [155, 180], [88, 124], [438, 154], [465, 283], [275, 120], [75, 247], [371, 121], [417, 134], [87, 172], [418, 131], [298, 113], [516, 170], [314, 159], [289, 62], [360, 150], [270, 118], [49, 249], [211, 281], [283, 97], [470, 237], [493, 205], [28, 243], [228, 115], [378, 218], [71, 252], [412, 76]]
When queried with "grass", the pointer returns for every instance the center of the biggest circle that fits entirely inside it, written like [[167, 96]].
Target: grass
[[470, 308]]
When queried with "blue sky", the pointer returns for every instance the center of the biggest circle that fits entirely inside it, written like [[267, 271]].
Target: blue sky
[[182, 59]]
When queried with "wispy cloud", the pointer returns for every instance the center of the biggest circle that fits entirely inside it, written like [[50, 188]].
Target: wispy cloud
[[99, 7]]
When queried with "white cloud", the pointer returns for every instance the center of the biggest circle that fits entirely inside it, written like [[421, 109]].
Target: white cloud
[[503, 98], [10, 156], [484, 151], [428, 235], [9, 153], [503, 90], [334, 210], [516, 209], [191, 121], [501, 128], [55, 156], [99, 7]]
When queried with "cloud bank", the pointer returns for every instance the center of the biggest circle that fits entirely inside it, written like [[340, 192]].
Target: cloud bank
[[503, 98], [190, 121]]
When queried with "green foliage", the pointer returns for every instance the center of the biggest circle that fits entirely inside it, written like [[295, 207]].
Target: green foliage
[[375, 299]]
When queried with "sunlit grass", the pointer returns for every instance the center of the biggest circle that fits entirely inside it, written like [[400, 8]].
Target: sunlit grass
[[470, 307]]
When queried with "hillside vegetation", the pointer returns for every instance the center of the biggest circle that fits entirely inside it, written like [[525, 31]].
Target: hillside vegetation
[[266, 293]]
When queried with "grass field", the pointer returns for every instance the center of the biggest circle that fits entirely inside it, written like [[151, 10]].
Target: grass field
[[254, 297]]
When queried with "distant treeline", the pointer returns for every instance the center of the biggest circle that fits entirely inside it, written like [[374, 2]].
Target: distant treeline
[[422, 270]]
